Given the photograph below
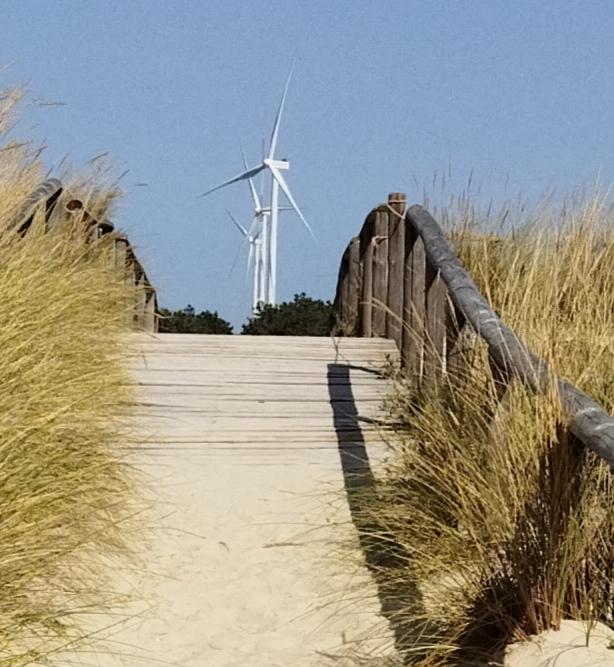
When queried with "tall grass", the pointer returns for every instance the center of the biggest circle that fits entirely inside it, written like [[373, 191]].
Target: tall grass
[[501, 521], [65, 489]]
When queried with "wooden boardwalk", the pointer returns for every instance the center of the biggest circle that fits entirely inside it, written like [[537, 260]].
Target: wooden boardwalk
[[255, 560]]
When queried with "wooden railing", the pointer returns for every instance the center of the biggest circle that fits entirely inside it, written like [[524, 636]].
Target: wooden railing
[[59, 206], [401, 279]]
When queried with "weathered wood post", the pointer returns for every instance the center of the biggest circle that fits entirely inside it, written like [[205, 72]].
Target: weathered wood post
[[435, 325], [141, 301], [366, 261], [396, 267], [380, 271], [120, 254], [150, 321], [413, 302], [347, 299]]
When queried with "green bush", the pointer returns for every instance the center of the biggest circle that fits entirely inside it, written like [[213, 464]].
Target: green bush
[[302, 317], [188, 321]]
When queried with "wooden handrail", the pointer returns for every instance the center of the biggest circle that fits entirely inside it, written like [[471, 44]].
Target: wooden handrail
[[439, 298], [59, 205]]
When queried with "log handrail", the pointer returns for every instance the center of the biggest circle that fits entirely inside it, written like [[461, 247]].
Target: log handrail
[[58, 203], [439, 298]]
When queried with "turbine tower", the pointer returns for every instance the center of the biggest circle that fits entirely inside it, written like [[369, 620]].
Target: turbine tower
[[255, 256], [269, 216]]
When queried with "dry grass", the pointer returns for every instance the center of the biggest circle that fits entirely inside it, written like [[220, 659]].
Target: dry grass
[[65, 490], [502, 522]]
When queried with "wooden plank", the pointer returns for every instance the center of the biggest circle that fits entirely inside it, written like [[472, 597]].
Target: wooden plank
[[120, 252], [380, 271], [366, 261], [435, 324], [150, 321], [413, 303], [458, 339], [341, 294], [347, 298], [396, 267], [141, 302], [352, 317]]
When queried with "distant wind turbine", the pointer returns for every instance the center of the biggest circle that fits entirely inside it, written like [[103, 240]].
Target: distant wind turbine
[[269, 216], [255, 256]]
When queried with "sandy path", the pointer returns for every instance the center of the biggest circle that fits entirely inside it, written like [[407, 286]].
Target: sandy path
[[245, 567]]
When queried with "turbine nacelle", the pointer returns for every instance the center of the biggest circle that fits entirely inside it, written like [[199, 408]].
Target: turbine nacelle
[[281, 165]]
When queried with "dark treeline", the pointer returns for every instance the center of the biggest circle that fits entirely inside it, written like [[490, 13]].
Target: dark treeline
[[303, 316]]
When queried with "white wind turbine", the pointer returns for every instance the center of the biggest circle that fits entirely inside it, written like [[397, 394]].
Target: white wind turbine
[[269, 215], [255, 256]]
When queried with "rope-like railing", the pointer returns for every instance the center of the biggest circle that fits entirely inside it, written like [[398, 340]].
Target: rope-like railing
[[401, 279]]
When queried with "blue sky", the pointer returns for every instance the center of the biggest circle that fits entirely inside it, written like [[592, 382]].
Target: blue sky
[[384, 94]]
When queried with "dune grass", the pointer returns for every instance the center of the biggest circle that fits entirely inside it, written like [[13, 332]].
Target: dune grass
[[490, 510], [66, 492]]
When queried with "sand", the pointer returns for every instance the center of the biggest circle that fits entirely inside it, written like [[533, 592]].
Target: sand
[[253, 559], [566, 647]]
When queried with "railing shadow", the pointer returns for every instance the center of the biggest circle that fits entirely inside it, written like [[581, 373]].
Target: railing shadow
[[400, 599]]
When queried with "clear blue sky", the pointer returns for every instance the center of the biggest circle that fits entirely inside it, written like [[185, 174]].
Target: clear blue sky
[[384, 93]]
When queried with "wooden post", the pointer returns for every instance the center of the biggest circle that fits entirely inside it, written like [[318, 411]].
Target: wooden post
[[352, 314], [120, 252], [347, 299], [396, 267], [365, 327], [341, 295], [380, 271], [150, 319], [456, 342], [141, 302], [366, 319], [435, 333], [413, 302]]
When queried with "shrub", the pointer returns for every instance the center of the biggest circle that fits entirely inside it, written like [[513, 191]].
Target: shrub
[[302, 317], [188, 321]]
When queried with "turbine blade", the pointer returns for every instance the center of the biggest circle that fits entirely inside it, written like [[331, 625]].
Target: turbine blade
[[277, 175], [250, 257], [238, 225], [280, 110], [250, 231], [262, 173], [234, 261], [252, 187], [241, 177]]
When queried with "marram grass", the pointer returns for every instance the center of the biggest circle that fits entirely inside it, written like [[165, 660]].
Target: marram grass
[[491, 513], [67, 494]]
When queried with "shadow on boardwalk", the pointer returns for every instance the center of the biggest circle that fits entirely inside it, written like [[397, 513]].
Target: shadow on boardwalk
[[400, 599]]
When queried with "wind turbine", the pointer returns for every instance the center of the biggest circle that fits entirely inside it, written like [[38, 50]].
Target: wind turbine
[[270, 215], [255, 256]]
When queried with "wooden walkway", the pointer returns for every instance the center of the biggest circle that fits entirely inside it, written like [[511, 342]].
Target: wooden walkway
[[255, 560]]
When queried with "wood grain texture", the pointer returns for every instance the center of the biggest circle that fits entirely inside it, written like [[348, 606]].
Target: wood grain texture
[[347, 298], [414, 307], [435, 324], [380, 271], [396, 267], [366, 311], [587, 420]]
